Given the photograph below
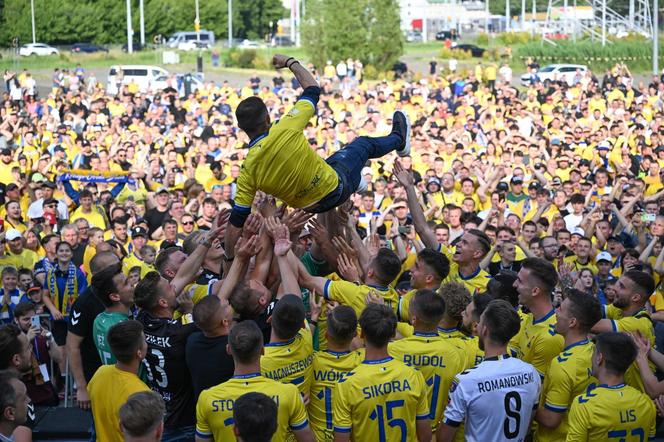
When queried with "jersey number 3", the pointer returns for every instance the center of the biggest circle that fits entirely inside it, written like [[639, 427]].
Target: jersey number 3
[[513, 412]]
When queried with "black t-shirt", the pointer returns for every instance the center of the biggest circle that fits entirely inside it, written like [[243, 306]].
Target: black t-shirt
[[496, 267], [83, 313], [79, 253], [155, 218], [207, 276], [208, 361], [167, 369], [262, 320]]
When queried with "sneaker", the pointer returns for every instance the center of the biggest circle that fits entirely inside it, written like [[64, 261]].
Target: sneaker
[[401, 126]]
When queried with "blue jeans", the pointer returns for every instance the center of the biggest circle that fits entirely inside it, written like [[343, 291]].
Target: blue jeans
[[348, 164], [182, 434]]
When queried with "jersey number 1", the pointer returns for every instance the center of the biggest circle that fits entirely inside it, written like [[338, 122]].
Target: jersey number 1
[[512, 410]]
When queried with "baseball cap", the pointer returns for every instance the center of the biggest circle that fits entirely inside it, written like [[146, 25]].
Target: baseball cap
[[11, 186], [615, 238], [12, 234], [502, 187], [6, 151], [534, 186], [304, 233], [584, 162], [603, 256], [604, 145], [556, 180], [367, 171], [162, 190], [37, 178], [215, 165], [516, 180], [578, 231], [434, 180], [49, 184], [138, 231]]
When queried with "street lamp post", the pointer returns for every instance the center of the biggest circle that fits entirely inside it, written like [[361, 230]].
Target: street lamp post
[[655, 37], [130, 45], [32, 10], [230, 23]]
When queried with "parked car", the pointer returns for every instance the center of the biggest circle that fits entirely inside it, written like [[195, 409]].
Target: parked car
[[556, 72], [281, 40], [161, 83], [135, 46], [37, 49], [88, 48], [475, 51], [193, 45], [451, 34], [178, 38], [248, 44], [414, 37], [142, 75]]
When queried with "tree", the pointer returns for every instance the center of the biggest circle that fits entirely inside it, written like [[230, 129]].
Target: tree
[[368, 30]]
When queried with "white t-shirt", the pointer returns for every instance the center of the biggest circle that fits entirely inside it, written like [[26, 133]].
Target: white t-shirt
[[495, 399], [572, 221]]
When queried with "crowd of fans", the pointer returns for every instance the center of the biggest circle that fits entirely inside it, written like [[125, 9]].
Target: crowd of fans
[[265, 263]]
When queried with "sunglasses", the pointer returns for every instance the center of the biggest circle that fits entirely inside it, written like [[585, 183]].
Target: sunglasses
[[187, 223]]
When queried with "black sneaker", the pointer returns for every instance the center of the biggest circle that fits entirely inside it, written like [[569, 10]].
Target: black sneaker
[[401, 126]]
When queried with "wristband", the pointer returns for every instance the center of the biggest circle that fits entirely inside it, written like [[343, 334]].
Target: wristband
[[287, 60], [314, 323], [227, 259], [291, 65]]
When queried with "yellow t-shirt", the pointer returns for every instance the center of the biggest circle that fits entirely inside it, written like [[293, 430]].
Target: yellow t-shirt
[[379, 393], [329, 368], [539, 341], [569, 375], [438, 359], [109, 389], [607, 413], [214, 409], [284, 155], [290, 362]]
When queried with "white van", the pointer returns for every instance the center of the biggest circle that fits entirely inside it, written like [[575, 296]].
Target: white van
[[144, 76], [177, 39]]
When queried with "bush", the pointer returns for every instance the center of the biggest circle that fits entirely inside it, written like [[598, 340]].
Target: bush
[[242, 58], [483, 39], [514, 38], [370, 72], [446, 54], [635, 54]]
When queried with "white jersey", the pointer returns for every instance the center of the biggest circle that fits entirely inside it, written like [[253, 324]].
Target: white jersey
[[495, 399]]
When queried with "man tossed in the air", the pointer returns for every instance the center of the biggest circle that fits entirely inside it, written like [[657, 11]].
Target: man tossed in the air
[[281, 162]]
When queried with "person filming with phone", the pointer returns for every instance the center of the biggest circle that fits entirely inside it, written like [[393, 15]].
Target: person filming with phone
[[46, 355]]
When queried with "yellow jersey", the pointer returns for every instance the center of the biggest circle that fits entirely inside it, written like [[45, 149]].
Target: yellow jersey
[[352, 295], [475, 283], [290, 362], [638, 322], [132, 261], [539, 342], [403, 306], [569, 375], [608, 413], [380, 400], [95, 218], [109, 389], [450, 333], [470, 348], [214, 409], [26, 260], [283, 155], [439, 361], [329, 368]]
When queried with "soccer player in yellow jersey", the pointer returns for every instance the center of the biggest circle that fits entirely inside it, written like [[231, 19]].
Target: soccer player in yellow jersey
[[628, 314], [382, 399], [214, 409], [382, 270], [111, 385], [289, 354], [539, 343], [281, 162], [613, 410], [438, 359], [428, 272], [570, 372], [465, 268], [331, 366]]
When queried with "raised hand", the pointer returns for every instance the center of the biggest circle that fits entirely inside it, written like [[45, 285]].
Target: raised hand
[[253, 225], [402, 175], [282, 242], [296, 220], [245, 248], [318, 232], [279, 60], [344, 248], [347, 268]]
